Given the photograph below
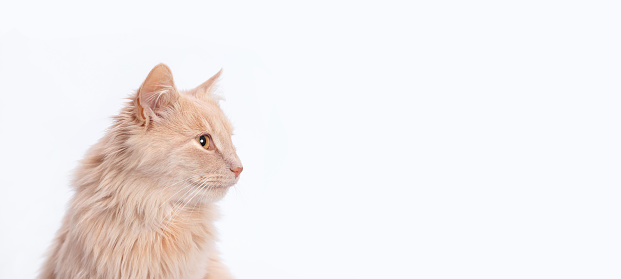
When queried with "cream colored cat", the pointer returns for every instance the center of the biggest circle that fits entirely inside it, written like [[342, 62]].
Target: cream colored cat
[[144, 194]]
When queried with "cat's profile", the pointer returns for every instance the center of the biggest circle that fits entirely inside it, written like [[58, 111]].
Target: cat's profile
[[144, 194]]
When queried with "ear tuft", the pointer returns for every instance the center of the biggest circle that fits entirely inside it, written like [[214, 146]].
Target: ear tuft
[[156, 93], [208, 86]]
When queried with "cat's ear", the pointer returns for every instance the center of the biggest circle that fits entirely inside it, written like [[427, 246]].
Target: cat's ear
[[156, 93], [208, 86]]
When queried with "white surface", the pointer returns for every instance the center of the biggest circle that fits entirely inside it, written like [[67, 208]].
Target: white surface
[[380, 140]]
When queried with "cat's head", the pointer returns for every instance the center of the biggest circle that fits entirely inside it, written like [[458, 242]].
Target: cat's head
[[182, 138]]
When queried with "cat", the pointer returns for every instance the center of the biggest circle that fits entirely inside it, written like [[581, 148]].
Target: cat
[[144, 196]]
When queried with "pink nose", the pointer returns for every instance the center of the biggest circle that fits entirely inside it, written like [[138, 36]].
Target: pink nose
[[237, 171]]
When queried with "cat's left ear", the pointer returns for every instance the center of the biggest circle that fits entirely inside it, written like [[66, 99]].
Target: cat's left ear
[[208, 86], [156, 94]]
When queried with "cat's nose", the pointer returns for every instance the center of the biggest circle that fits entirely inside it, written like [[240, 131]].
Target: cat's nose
[[237, 171]]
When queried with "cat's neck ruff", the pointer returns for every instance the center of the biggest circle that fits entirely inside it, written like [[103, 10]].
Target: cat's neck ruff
[[144, 229]]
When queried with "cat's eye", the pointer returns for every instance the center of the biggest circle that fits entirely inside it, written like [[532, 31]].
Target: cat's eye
[[205, 141]]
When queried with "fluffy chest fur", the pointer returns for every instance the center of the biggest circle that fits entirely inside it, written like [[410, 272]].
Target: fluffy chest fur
[[98, 243]]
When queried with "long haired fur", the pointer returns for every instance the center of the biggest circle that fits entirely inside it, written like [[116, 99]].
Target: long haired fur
[[144, 194]]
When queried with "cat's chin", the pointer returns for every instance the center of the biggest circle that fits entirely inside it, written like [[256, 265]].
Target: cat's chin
[[215, 193], [224, 184]]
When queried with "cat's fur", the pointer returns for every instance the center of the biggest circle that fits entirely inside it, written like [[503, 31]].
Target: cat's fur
[[144, 194]]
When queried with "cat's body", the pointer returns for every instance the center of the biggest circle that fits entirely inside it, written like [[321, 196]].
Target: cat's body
[[144, 195]]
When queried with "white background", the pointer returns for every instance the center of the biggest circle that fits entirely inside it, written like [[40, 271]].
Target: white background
[[437, 139]]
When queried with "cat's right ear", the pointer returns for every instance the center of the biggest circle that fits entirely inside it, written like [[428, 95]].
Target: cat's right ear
[[156, 94]]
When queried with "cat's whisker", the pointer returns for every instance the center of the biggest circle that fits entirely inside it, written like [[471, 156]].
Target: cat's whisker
[[188, 190], [172, 196], [200, 201], [209, 185], [177, 209], [189, 200], [169, 217], [170, 185]]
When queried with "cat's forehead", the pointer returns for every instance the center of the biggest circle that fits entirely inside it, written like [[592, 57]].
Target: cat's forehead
[[206, 115]]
